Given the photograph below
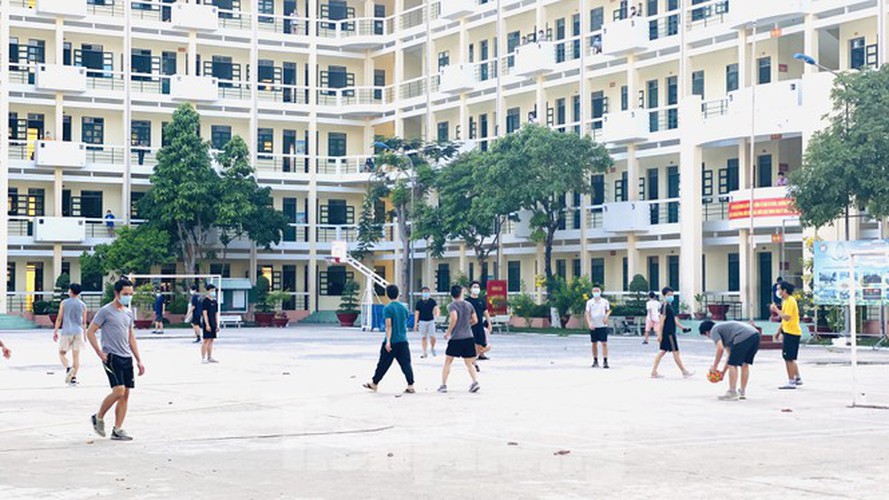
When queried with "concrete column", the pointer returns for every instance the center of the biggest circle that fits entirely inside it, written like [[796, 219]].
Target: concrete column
[[634, 260], [191, 57], [399, 72], [743, 59], [428, 271], [499, 118], [747, 274], [4, 147], [397, 263], [464, 261], [312, 216], [691, 210], [810, 43]]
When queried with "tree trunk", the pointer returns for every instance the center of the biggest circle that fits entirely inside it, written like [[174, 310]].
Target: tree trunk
[[548, 254], [405, 251]]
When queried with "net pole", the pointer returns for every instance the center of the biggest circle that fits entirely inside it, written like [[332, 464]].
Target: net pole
[[853, 316]]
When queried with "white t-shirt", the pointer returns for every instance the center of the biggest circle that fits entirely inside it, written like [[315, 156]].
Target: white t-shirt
[[654, 310], [597, 309]]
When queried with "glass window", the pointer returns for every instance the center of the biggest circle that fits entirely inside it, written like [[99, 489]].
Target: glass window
[[734, 273], [336, 280], [91, 204], [697, 83], [764, 74], [731, 77], [336, 144], [597, 271], [141, 135], [265, 140], [443, 278], [219, 136], [443, 128], [512, 120], [514, 276], [654, 273], [444, 59], [857, 53], [93, 130]]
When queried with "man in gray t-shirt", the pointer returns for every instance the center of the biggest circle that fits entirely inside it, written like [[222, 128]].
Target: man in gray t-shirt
[[461, 343], [72, 320], [116, 352], [741, 340]]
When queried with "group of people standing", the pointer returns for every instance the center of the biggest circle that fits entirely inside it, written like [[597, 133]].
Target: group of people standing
[[469, 327]]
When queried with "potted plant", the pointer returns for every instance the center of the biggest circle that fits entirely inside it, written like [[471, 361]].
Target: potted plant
[[143, 301], [540, 315], [522, 305], [701, 309], [683, 311], [718, 311], [262, 311], [348, 310], [275, 301], [43, 308]]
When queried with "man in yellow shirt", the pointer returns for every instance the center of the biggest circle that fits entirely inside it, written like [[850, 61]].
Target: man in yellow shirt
[[791, 332]]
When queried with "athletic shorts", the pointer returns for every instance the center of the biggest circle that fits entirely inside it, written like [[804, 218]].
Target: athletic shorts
[[790, 347], [426, 328], [158, 317], [461, 348], [651, 325], [209, 333], [119, 370], [480, 337], [70, 342], [744, 352], [599, 334], [196, 321], [669, 343]]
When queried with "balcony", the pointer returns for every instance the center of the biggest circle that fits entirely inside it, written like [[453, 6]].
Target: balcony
[[533, 59], [194, 16], [744, 13], [194, 88], [59, 230], [455, 9], [367, 101], [60, 154], [59, 78], [625, 36], [626, 217], [65, 8], [625, 126], [360, 33], [457, 79]]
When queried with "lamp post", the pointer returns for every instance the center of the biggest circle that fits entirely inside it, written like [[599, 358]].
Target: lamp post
[[413, 178]]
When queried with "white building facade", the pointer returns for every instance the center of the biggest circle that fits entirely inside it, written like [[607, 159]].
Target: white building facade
[[700, 102]]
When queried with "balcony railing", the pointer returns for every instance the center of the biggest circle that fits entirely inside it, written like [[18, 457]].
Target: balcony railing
[[412, 88], [333, 232], [663, 119]]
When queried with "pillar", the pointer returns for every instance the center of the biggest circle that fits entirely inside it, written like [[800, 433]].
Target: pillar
[[691, 210], [312, 216], [126, 188], [4, 147], [399, 70]]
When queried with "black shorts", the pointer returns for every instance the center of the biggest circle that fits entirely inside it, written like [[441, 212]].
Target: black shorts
[[461, 348], [480, 338], [196, 320], [790, 347], [209, 332], [669, 342], [599, 334], [744, 352], [158, 317], [119, 370]]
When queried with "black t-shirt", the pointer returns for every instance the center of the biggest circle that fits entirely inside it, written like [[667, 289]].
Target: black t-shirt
[[211, 307], [426, 308], [669, 320], [480, 307]]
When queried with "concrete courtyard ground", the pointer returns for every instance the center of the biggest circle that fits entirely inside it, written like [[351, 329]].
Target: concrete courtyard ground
[[284, 416]]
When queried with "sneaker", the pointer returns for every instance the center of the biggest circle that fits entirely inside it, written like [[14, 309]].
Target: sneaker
[[120, 435], [605, 365], [474, 387], [644, 342], [657, 375], [729, 396], [689, 374], [68, 376], [798, 382], [483, 357], [433, 352], [595, 364], [212, 360], [204, 361], [788, 386], [742, 395], [423, 356], [443, 389], [98, 425], [196, 341], [73, 381], [477, 369]]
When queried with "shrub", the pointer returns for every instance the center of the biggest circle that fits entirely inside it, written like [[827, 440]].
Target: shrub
[[261, 294], [349, 300], [523, 305]]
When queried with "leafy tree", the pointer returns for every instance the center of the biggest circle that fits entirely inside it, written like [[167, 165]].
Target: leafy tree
[[369, 228], [405, 172], [471, 207], [136, 250], [539, 167], [847, 163]]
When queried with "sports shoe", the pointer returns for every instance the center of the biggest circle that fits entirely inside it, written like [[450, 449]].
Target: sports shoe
[[474, 387], [657, 375], [605, 365], [73, 381], [483, 357], [212, 360], [204, 361], [798, 382], [688, 374], [443, 389], [98, 425], [68, 375], [729, 396], [423, 356], [595, 364], [788, 386], [196, 341], [742, 395], [644, 342], [120, 435], [477, 369]]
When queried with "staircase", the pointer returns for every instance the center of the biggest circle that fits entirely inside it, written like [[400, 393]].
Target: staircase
[[9, 322], [321, 318], [768, 342]]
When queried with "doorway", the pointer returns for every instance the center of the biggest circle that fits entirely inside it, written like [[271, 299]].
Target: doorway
[[765, 284]]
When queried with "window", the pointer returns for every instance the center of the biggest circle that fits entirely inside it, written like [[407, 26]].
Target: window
[[764, 74], [221, 269], [734, 273], [335, 280], [141, 135], [624, 98], [575, 268], [673, 271], [597, 271], [336, 144], [266, 7], [444, 59], [514, 276], [561, 115], [265, 140], [764, 171], [337, 213], [220, 135], [654, 273], [598, 189], [697, 83], [91, 204], [626, 275], [10, 277], [93, 131], [165, 138], [857, 53], [512, 120], [652, 86], [597, 19], [731, 77], [561, 268], [141, 62], [443, 278], [290, 207], [443, 128]]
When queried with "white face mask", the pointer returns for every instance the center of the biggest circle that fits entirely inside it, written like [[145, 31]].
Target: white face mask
[[778, 293], [425, 295], [476, 290], [125, 300]]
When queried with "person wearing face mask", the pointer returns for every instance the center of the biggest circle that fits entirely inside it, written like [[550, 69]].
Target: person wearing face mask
[[194, 313], [424, 318], [117, 351], [598, 311], [790, 333], [160, 307], [666, 336], [776, 293], [210, 313], [480, 330]]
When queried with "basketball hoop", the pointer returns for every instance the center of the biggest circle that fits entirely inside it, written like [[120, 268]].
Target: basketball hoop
[[339, 250], [332, 260]]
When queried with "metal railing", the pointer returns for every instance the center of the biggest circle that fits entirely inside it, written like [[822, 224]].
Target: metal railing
[[663, 119], [412, 88], [707, 14], [715, 208]]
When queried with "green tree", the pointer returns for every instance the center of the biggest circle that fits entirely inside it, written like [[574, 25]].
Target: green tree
[[847, 163], [369, 227], [137, 250], [405, 172], [540, 166]]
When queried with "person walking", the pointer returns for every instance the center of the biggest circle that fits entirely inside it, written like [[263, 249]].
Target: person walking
[[72, 321], [790, 334], [160, 307], [461, 343], [776, 292], [652, 316], [598, 310], [425, 313], [194, 313], [740, 342], [209, 324], [666, 336], [481, 329], [117, 352], [395, 345]]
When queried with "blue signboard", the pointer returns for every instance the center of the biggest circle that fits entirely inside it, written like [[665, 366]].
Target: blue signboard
[[831, 284]]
